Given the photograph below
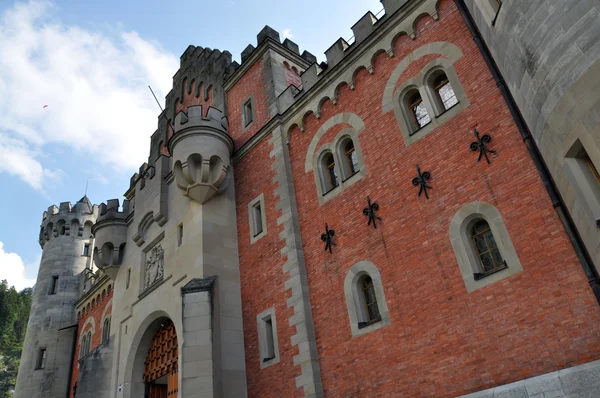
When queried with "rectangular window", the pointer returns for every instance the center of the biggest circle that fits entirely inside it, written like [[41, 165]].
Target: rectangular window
[[53, 285], [248, 114], [584, 177], [257, 215], [257, 218], [128, 278], [41, 359], [180, 234], [86, 250], [267, 338]]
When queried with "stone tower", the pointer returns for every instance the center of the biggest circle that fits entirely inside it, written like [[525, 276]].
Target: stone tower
[[65, 237]]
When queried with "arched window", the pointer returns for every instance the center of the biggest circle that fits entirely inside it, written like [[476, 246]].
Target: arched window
[[106, 331], [486, 249], [350, 157], [88, 345], [369, 301], [329, 172], [444, 92], [417, 110], [82, 347]]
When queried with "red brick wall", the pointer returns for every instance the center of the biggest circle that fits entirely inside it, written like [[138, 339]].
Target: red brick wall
[[102, 301], [253, 82], [262, 278], [442, 341]]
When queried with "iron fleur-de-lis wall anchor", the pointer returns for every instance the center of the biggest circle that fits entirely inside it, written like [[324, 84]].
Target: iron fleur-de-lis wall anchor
[[327, 237], [421, 181], [370, 210], [480, 145]]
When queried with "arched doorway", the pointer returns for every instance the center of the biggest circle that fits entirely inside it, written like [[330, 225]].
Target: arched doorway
[[161, 364]]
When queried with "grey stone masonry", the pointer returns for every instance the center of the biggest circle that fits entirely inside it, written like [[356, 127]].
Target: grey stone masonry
[[549, 55], [304, 339], [48, 346], [581, 381]]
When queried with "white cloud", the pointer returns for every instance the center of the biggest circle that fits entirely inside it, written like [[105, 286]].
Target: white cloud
[[287, 34], [95, 87], [15, 271]]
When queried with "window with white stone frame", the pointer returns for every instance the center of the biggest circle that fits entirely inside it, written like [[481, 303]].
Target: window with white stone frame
[[489, 9], [482, 246], [267, 338], [365, 299], [583, 165], [257, 218]]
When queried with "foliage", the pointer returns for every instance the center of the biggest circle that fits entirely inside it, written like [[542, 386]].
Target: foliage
[[14, 314]]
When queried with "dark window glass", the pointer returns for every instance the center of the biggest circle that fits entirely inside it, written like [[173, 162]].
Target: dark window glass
[[486, 247], [331, 173], [54, 285], [370, 299]]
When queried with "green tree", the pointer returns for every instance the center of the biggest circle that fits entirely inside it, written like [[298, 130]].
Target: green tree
[[14, 314]]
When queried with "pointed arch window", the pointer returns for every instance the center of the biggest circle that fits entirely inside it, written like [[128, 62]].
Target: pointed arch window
[[106, 331]]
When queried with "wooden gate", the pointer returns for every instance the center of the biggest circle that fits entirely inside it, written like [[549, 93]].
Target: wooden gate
[[162, 360]]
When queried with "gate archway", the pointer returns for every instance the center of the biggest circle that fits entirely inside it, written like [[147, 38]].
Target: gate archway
[[161, 364]]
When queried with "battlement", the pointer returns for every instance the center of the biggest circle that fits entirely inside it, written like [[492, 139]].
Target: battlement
[[110, 210], [67, 220], [194, 118], [268, 33]]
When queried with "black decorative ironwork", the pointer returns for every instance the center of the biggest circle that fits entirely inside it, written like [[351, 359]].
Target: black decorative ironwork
[[421, 181], [370, 210], [327, 237], [481, 146]]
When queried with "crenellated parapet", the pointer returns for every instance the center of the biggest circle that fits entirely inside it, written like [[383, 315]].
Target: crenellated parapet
[[68, 220], [110, 233], [201, 150]]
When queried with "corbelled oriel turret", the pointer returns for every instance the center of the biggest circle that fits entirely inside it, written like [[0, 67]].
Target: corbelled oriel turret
[[110, 233]]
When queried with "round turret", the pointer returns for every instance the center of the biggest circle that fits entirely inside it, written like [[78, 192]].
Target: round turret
[[66, 240], [110, 233], [201, 150]]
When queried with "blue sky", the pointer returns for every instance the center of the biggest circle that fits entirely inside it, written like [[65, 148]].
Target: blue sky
[[91, 62]]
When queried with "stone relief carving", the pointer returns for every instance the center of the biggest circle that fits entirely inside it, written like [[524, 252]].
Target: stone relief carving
[[155, 266]]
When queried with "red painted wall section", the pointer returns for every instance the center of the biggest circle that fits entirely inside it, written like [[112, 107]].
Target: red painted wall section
[[442, 341], [253, 82], [263, 279], [102, 306]]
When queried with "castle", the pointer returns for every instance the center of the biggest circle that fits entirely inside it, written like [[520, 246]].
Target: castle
[[418, 216]]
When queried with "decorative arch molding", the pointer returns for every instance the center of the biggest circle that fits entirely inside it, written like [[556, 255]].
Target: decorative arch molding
[[443, 48], [353, 299], [365, 61], [346, 118], [138, 349], [466, 257], [84, 330], [104, 313]]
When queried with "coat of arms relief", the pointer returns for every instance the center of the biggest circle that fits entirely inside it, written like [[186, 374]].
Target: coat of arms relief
[[155, 266]]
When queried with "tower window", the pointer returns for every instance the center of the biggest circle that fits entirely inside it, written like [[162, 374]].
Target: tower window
[[180, 234], [53, 285], [128, 278], [486, 249], [86, 250], [584, 176], [41, 359]]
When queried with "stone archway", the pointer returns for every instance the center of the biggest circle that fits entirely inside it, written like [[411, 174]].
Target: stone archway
[[161, 364]]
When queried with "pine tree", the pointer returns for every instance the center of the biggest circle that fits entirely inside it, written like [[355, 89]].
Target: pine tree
[[14, 314]]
